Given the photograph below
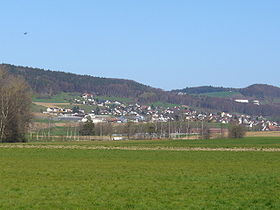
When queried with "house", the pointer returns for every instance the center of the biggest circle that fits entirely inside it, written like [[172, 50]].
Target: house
[[117, 138], [87, 96], [256, 102], [242, 101]]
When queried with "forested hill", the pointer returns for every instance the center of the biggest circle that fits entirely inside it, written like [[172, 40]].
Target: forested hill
[[46, 82], [260, 91]]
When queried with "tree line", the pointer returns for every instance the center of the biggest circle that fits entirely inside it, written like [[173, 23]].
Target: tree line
[[160, 130]]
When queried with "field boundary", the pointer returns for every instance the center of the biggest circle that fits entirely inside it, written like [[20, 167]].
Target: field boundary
[[141, 148]]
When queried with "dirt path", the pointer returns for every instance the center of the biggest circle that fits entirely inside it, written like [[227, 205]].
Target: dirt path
[[140, 148]]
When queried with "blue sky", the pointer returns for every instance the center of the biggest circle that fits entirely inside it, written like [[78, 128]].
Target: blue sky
[[165, 44]]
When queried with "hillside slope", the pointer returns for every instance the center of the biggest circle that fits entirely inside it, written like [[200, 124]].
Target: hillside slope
[[261, 91], [258, 91], [46, 82]]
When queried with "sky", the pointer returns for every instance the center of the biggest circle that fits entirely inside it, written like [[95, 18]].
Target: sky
[[164, 44]]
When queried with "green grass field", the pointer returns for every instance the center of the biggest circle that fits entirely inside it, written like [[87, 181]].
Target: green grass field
[[59, 131], [37, 108], [58, 98], [225, 94], [116, 179]]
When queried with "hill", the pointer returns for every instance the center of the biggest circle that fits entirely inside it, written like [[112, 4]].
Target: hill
[[46, 82], [261, 91], [257, 91]]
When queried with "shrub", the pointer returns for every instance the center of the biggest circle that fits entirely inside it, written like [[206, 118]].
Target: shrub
[[236, 131], [87, 129]]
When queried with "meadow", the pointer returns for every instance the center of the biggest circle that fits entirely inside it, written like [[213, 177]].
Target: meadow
[[33, 178], [58, 98], [225, 94]]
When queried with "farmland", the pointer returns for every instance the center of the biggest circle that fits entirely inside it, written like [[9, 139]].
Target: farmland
[[248, 142], [118, 179]]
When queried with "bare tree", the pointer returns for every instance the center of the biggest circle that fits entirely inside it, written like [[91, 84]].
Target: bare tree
[[15, 102], [128, 129]]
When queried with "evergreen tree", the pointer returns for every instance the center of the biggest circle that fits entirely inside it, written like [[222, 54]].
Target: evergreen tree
[[87, 129]]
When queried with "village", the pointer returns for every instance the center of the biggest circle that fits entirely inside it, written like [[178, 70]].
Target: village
[[114, 111]]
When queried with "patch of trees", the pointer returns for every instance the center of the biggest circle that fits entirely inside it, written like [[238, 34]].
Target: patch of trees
[[236, 131], [87, 129], [15, 102], [161, 130], [76, 109], [157, 130]]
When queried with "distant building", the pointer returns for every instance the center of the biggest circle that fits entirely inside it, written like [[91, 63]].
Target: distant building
[[87, 95], [242, 101], [256, 102]]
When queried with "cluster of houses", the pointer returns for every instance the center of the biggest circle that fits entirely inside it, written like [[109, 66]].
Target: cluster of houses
[[57, 110], [120, 112]]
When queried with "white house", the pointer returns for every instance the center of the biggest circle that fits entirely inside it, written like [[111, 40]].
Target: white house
[[256, 102], [242, 101]]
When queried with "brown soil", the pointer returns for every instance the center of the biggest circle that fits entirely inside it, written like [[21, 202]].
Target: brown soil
[[263, 133]]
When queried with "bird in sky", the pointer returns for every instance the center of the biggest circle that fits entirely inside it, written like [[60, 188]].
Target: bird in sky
[[25, 33]]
